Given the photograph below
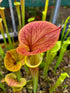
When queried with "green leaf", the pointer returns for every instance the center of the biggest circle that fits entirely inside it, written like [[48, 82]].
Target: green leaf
[[18, 74], [2, 87], [26, 69], [62, 51], [66, 43], [63, 37], [34, 73], [42, 65], [1, 76], [59, 81], [50, 55], [56, 47], [2, 54], [68, 31], [31, 19]]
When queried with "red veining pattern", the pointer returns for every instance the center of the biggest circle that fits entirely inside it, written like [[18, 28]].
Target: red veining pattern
[[37, 37]]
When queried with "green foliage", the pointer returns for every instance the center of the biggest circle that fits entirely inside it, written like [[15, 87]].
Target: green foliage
[[59, 81], [67, 33], [65, 86], [62, 36], [5, 24], [44, 13], [62, 51], [17, 4], [4, 39], [42, 65], [26, 69], [9, 39], [31, 19], [2, 87], [50, 55], [2, 32], [23, 11], [1, 76], [64, 44], [12, 39], [18, 74], [35, 83], [2, 54]]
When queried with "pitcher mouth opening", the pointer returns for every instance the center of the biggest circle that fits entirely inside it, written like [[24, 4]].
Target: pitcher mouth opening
[[33, 61]]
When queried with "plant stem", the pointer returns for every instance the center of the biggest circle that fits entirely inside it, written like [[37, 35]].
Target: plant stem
[[49, 55], [12, 38], [23, 11], [62, 51], [58, 82], [62, 36], [34, 72], [17, 4], [4, 20], [19, 17], [46, 67], [45, 10], [18, 74], [68, 31], [2, 32], [2, 54], [59, 58]]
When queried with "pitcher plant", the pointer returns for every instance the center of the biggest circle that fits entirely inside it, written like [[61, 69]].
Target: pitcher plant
[[35, 38]]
